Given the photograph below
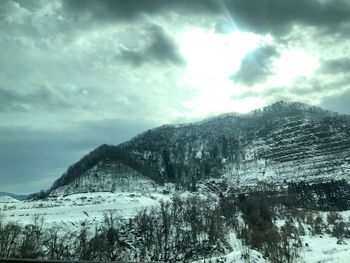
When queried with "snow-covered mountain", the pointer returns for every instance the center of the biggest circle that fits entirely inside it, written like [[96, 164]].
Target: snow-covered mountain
[[256, 187], [108, 176], [280, 144]]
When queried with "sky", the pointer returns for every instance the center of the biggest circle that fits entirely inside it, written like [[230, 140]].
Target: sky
[[75, 74]]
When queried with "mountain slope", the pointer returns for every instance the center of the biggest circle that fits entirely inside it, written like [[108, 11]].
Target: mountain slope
[[105, 161], [277, 145], [285, 141], [108, 176]]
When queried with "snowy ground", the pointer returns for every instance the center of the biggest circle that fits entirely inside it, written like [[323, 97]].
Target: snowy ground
[[70, 211], [74, 209], [319, 250], [324, 249], [240, 253]]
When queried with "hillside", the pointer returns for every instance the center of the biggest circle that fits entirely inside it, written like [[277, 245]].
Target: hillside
[[280, 144], [108, 176]]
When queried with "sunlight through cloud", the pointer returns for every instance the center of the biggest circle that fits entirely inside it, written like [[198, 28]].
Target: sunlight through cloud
[[293, 64], [211, 59]]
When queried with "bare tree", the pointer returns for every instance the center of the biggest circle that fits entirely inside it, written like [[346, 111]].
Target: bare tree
[[30, 244], [112, 244], [9, 238], [59, 243]]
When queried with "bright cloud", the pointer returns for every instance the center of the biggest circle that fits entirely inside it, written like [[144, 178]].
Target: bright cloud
[[211, 59], [293, 64]]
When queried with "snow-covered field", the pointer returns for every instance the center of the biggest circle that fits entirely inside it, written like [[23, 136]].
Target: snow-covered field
[[324, 249], [74, 209]]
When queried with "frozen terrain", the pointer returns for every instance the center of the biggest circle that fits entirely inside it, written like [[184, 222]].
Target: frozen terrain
[[73, 210]]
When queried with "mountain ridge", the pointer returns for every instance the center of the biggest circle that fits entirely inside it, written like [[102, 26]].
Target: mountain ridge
[[283, 142]]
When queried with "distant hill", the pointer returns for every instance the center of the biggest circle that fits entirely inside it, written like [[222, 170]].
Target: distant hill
[[15, 196]]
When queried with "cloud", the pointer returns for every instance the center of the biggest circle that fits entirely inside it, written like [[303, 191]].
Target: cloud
[[278, 16], [334, 66], [110, 10], [39, 97], [313, 91], [256, 66], [161, 49], [337, 103], [263, 16], [66, 85]]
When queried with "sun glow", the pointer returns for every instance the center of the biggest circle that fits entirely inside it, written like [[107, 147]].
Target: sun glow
[[293, 64], [211, 59]]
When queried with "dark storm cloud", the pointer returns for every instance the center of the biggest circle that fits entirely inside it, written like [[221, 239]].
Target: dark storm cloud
[[334, 66], [32, 159], [263, 16], [256, 66], [277, 16], [161, 49], [106, 10]]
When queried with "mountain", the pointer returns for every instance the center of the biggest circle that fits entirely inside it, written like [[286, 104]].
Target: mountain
[[273, 147], [15, 196], [268, 186]]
